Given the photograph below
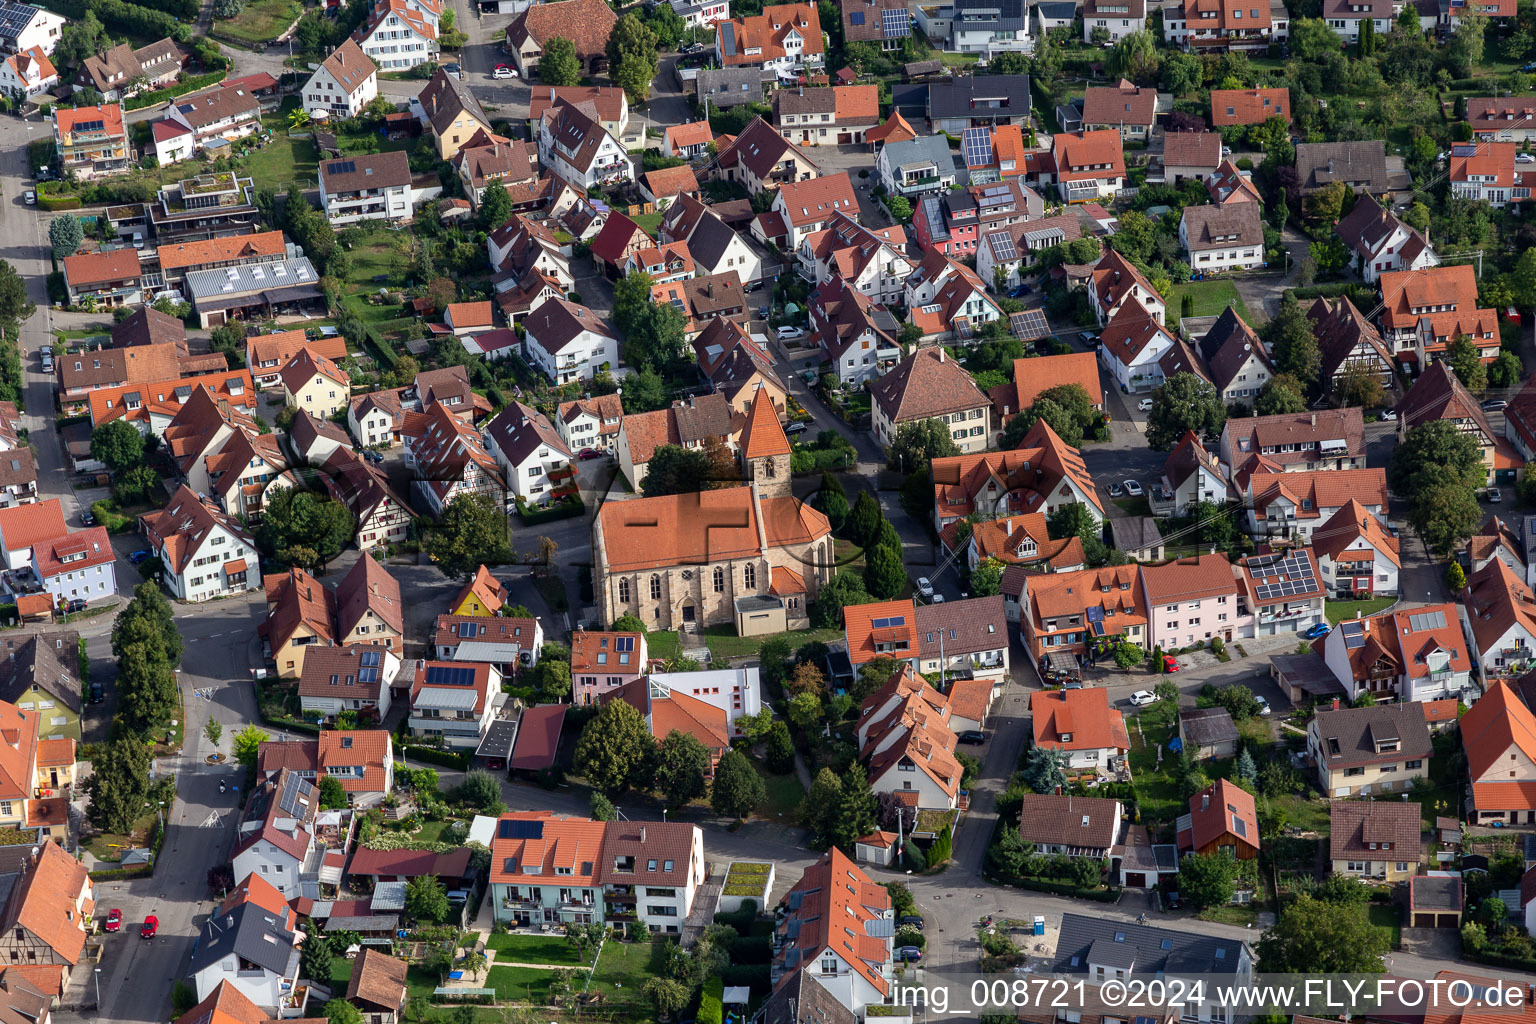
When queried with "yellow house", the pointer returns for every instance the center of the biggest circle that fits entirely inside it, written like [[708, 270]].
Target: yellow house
[[1374, 838], [452, 113], [314, 384], [300, 614], [40, 673], [483, 595]]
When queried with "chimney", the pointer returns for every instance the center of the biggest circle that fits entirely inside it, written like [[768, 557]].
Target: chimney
[[1205, 801], [1335, 703], [1314, 419], [642, 833], [941, 353]]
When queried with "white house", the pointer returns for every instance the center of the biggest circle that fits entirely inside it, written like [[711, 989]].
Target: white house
[[375, 418], [356, 678], [1193, 474], [874, 261], [24, 27], [251, 942], [28, 74], [1226, 237], [1132, 346], [1498, 611], [735, 691], [914, 167], [1382, 243], [277, 832], [206, 553], [590, 422], [76, 566], [192, 123], [23, 526], [802, 207], [1114, 18], [508, 642], [855, 976], [1346, 16], [715, 247], [397, 35], [375, 186], [448, 705], [1356, 553], [1114, 282], [1081, 724], [578, 149], [567, 342], [343, 84], [528, 449]]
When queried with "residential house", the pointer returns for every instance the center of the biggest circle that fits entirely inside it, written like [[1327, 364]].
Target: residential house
[[23, 27], [801, 208], [1284, 504], [916, 167], [1041, 475], [963, 640], [905, 738], [376, 418], [852, 964], [104, 277], [1230, 184], [1374, 839], [929, 385], [398, 36], [1357, 554], [355, 678], [827, 115], [1239, 364], [1497, 540], [714, 246], [511, 644], [1208, 733], [1058, 612], [145, 347], [567, 341], [1222, 819], [278, 833], [204, 206], [267, 354], [672, 563], [1227, 237], [343, 84], [91, 141], [881, 629], [1349, 344], [1282, 592], [603, 661], [1438, 394], [1382, 243], [524, 247], [454, 702], [40, 675], [883, 22], [369, 187], [1090, 734], [361, 759], [1036, 376], [1114, 283], [251, 943], [1363, 751], [1520, 420], [704, 300], [1498, 735], [315, 441], [1296, 442], [369, 609], [688, 140], [530, 453], [854, 333], [1416, 655], [1488, 172], [179, 259], [1132, 347], [646, 872], [482, 596], [1498, 614], [874, 261], [1085, 167], [760, 158], [589, 423], [1191, 475], [1125, 108], [72, 566], [663, 186], [705, 705], [513, 163], [312, 383], [784, 38], [255, 292], [23, 527], [974, 101], [1015, 540], [586, 23], [1192, 599], [1015, 248], [47, 910], [1360, 165], [1505, 118], [377, 986], [206, 552], [1233, 107], [205, 121], [1194, 156], [578, 149], [953, 221], [947, 298], [1116, 18], [449, 111], [1101, 949], [1346, 16], [301, 614], [28, 74], [737, 366], [1209, 26], [730, 87]]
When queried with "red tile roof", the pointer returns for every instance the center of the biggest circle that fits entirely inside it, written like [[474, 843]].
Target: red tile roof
[[24, 526], [895, 636], [1249, 106], [1077, 720]]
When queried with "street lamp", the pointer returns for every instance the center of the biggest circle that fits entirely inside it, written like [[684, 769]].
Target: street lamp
[[98, 989]]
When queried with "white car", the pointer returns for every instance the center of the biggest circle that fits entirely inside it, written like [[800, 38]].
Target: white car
[[925, 587], [786, 333], [1133, 488], [1145, 405], [1388, 415], [31, 198], [1493, 496], [1141, 698], [503, 73], [1525, 158], [1263, 704]]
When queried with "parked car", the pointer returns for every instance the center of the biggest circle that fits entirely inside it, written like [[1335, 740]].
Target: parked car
[[151, 925], [1320, 630], [975, 737], [1495, 405], [1145, 405], [454, 70], [796, 428], [1141, 698], [47, 360], [1388, 415], [788, 333], [911, 921], [114, 920], [1116, 491], [1525, 158], [30, 197], [1263, 704], [925, 587], [1493, 496], [138, 556], [1170, 663], [97, 696], [909, 954], [589, 453], [377, 458], [1133, 488], [74, 605], [87, 518], [502, 71], [1173, 901]]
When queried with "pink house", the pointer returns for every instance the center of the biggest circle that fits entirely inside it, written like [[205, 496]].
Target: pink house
[[1193, 599], [603, 661]]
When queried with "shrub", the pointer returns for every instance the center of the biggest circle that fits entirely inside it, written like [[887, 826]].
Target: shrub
[[711, 1006]]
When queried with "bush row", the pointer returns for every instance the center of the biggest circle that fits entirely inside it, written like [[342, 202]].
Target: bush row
[[1063, 889], [431, 755], [170, 92], [566, 508]]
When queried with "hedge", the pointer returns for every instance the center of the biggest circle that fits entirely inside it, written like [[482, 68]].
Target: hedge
[[754, 976], [1067, 889], [115, 522], [431, 755], [294, 724], [814, 460], [58, 202], [742, 919], [181, 88], [134, 872], [752, 949], [566, 508], [384, 350], [712, 1002], [1491, 959]]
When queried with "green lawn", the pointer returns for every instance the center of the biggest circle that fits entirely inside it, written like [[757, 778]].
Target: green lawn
[[782, 795], [1338, 611], [283, 161], [418, 982], [724, 643], [1135, 506], [847, 555], [520, 984], [1387, 918], [665, 645], [623, 968], [534, 949], [650, 223], [260, 22], [1211, 298], [1157, 794]]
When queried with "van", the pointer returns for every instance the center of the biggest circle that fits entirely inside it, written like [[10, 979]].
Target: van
[[138, 240]]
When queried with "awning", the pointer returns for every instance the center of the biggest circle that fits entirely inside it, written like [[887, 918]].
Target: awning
[[1062, 663], [238, 565]]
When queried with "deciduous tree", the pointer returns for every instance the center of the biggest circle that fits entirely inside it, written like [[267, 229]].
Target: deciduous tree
[[1207, 880], [558, 67], [246, 742], [1313, 937], [1292, 343], [332, 796], [426, 899], [616, 750], [495, 205], [917, 444], [681, 763], [472, 532], [1184, 402], [737, 788], [674, 469], [118, 445], [1466, 361], [1281, 393]]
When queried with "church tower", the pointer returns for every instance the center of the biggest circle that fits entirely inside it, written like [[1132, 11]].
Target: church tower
[[765, 448]]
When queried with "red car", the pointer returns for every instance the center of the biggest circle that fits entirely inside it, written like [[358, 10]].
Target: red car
[[114, 920], [151, 925], [589, 453], [1170, 663]]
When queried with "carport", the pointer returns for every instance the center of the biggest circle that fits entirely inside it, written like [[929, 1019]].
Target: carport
[[1434, 900]]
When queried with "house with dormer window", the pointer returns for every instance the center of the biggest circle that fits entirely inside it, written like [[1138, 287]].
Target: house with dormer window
[[278, 832], [578, 149], [785, 38], [603, 661], [1115, 283], [1415, 655], [508, 642], [354, 678], [1081, 724], [205, 551], [852, 963], [1364, 751], [906, 741], [1374, 839], [361, 759]]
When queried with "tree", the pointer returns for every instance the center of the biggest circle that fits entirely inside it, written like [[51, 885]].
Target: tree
[[558, 67], [1128, 655], [822, 803], [425, 897], [1184, 402], [1292, 343], [1466, 361], [780, 753], [1433, 453], [495, 206], [293, 519], [147, 618], [864, 520], [843, 589], [229, 340], [633, 57], [1134, 56], [681, 764], [14, 304], [65, 235], [246, 742], [805, 709], [1043, 769], [1313, 937], [1245, 770], [214, 730], [667, 996], [1281, 394], [119, 786], [1504, 372], [631, 298], [1357, 385], [332, 796], [1367, 36], [315, 956], [674, 469], [831, 501], [1068, 410], [1207, 880], [479, 790], [899, 207], [856, 808], [1522, 280], [884, 575], [917, 444], [1445, 515], [1492, 911], [472, 533], [987, 578], [81, 39], [602, 808], [1465, 50], [737, 787], [117, 444], [1324, 207], [616, 749], [146, 680], [1072, 520], [1238, 700], [1455, 577]]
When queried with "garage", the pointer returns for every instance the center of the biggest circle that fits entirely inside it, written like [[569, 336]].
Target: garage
[[1435, 900], [845, 138], [1136, 879]]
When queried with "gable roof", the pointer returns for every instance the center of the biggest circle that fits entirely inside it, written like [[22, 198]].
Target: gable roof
[[48, 660], [1348, 736], [349, 66], [25, 526], [586, 23], [1359, 828], [1223, 226], [1145, 949], [1320, 163], [445, 98], [486, 587], [1228, 346], [43, 901], [838, 908], [1222, 809], [1249, 106], [368, 587], [925, 385], [181, 255], [296, 599], [1340, 329], [1497, 722], [378, 980], [1120, 104], [1077, 720], [1350, 523]]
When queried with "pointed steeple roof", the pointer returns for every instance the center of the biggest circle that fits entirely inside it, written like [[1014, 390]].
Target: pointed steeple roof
[[762, 436]]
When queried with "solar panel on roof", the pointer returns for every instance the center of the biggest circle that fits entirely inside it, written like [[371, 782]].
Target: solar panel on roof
[[450, 675], [896, 23], [1426, 620], [889, 622], [466, 630], [517, 828], [1030, 325], [14, 18], [624, 643], [341, 167], [367, 675], [370, 658], [976, 144]]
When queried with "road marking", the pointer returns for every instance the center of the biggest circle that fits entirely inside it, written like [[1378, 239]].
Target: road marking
[[214, 636]]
